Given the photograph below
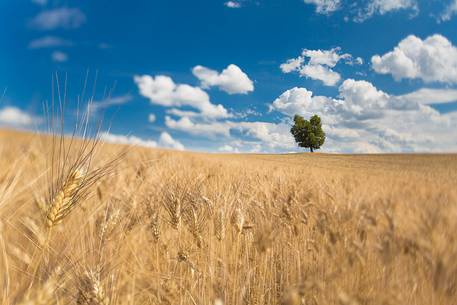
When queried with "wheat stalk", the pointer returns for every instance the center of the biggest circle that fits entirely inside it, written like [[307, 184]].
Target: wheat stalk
[[196, 221], [44, 294]]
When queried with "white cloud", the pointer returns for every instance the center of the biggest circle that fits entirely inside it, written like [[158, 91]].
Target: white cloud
[[211, 129], [383, 7], [109, 102], [362, 99], [318, 64], [184, 113], [162, 90], [431, 96], [431, 60], [272, 136], [63, 17], [366, 119], [231, 80], [128, 140], [228, 148], [12, 116], [292, 64], [152, 118], [293, 101], [59, 56], [301, 101], [361, 10], [362, 119], [449, 12], [232, 4], [49, 42], [325, 6], [167, 141], [359, 61], [358, 100], [322, 73], [269, 136], [327, 58]]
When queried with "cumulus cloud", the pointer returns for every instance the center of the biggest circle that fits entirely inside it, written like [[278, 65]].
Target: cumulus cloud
[[365, 119], [12, 116], [59, 56], [431, 60], [319, 64], [325, 6], [231, 80], [49, 42], [322, 73], [228, 148], [327, 58], [449, 12], [232, 4], [165, 140], [357, 100], [301, 101], [162, 90], [186, 124], [293, 64], [361, 118], [363, 100], [269, 136], [126, 139], [63, 17]]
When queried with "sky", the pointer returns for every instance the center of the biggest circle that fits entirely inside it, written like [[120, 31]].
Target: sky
[[228, 76]]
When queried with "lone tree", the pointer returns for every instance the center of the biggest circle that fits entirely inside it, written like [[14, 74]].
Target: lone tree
[[308, 134]]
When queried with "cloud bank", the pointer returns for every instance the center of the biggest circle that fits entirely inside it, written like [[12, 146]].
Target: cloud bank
[[162, 90], [433, 59]]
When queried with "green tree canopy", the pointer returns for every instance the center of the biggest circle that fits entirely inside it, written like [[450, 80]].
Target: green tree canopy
[[308, 134]]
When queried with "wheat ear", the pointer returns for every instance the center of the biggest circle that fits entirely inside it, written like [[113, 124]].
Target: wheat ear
[[219, 225], [238, 220], [92, 291], [64, 201]]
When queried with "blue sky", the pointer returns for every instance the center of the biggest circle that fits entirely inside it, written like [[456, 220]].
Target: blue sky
[[228, 75]]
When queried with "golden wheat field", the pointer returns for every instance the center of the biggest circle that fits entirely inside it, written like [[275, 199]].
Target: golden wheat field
[[105, 225]]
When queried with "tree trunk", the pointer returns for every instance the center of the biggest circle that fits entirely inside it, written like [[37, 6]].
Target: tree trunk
[[311, 149]]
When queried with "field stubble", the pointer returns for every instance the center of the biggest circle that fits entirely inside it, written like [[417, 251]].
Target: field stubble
[[164, 227]]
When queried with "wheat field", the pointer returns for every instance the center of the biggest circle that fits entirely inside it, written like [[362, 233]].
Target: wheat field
[[150, 226]]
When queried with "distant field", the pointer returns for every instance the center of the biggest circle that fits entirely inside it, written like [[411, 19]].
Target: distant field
[[166, 227]]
